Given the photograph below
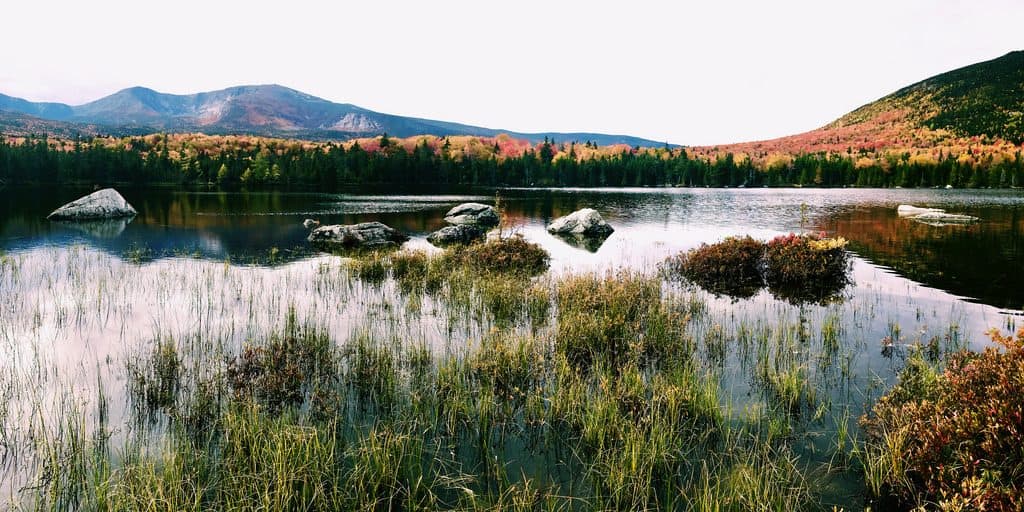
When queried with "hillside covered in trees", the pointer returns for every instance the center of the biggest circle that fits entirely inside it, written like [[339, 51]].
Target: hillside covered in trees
[[253, 162], [964, 128]]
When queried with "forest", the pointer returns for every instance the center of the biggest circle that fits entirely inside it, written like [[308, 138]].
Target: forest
[[253, 162]]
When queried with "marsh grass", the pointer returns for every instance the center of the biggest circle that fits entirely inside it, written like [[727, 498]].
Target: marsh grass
[[795, 268], [293, 419], [498, 390]]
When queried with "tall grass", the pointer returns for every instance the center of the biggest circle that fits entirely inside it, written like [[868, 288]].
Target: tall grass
[[414, 380]]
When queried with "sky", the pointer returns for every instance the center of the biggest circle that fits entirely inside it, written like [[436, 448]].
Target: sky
[[682, 72]]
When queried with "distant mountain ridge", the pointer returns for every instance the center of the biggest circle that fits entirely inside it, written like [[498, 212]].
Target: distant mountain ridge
[[986, 98], [270, 110], [981, 103]]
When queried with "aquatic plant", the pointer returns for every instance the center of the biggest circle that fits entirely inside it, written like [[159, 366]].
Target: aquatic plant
[[371, 266], [617, 318], [154, 380], [279, 373]]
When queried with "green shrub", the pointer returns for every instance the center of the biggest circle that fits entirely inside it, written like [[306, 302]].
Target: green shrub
[[730, 267], [952, 439]]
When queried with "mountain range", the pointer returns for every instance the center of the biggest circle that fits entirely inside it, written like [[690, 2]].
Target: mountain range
[[270, 110], [981, 103]]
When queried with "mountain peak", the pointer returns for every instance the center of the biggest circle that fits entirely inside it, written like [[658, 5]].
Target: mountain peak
[[263, 109]]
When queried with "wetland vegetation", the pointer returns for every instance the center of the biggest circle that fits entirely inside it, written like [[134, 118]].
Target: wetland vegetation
[[493, 376]]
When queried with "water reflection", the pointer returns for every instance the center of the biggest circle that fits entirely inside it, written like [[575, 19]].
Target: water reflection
[[106, 228], [586, 243], [978, 261]]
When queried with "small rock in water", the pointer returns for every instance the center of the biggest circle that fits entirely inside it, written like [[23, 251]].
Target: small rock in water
[[102, 204], [472, 213], [310, 223], [586, 222]]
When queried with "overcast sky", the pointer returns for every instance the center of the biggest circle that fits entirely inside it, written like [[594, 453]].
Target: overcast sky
[[683, 72]]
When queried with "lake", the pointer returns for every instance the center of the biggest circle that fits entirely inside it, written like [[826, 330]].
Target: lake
[[81, 300], [977, 262]]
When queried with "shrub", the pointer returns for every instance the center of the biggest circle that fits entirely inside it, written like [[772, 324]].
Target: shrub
[[730, 267], [806, 268], [952, 439]]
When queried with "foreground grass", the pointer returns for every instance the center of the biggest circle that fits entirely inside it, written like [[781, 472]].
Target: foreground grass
[[608, 391], [608, 409]]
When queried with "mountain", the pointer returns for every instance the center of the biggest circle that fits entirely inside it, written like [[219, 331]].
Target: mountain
[[980, 105], [984, 99], [270, 110]]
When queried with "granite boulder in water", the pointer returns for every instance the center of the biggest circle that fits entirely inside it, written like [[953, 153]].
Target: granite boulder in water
[[458, 234], [102, 204], [472, 213], [585, 222], [366, 235]]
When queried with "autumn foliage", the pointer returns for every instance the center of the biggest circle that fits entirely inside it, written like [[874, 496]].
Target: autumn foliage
[[957, 434]]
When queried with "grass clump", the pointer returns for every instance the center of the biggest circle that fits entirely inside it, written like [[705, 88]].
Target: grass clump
[[511, 254], [371, 267], [951, 440], [154, 380], [616, 318], [730, 267], [282, 371]]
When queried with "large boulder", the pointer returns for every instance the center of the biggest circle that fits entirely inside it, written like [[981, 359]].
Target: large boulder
[[458, 234], [472, 213], [366, 235], [102, 204], [585, 222]]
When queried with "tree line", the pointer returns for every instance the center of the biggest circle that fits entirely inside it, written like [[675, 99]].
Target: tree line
[[330, 166]]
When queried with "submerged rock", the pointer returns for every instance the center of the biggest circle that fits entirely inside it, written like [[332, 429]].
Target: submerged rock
[[933, 216], [472, 213], [368, 235], [458, 234], [586, 222], [102, 204], [943, 219]]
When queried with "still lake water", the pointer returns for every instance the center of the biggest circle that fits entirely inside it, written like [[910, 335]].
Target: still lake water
[[81, 299], [980, 262]]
